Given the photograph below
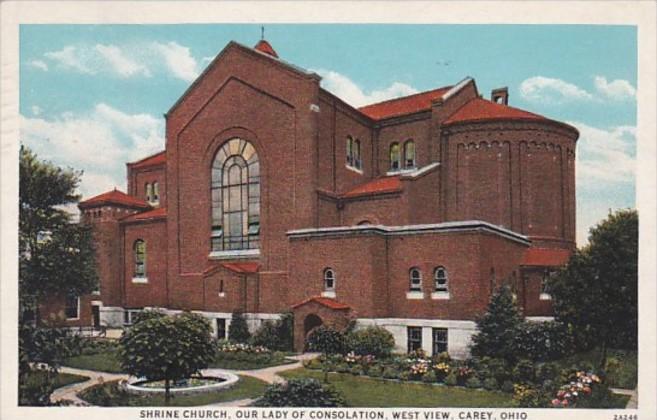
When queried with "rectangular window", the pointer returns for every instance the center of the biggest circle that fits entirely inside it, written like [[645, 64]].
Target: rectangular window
[[439, 340], [414, 338], [72, 307], [129, 316], [221, 328]]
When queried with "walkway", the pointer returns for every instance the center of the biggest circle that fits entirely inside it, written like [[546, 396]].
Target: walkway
[[270, 375], [633, 393]]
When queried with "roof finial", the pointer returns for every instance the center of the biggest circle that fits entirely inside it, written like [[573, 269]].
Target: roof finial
[[262, 32]]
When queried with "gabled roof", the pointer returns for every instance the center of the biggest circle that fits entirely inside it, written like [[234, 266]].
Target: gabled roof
[[159, 213], [114, 197], [159, 158], [405, 105], [328, 302], [479, 109], [546, 257], [388, 184]]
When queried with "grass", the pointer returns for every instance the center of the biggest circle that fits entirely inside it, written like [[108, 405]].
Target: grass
[[61, 379], [622, 366], [108, 395], [371, 392], [106, 361]]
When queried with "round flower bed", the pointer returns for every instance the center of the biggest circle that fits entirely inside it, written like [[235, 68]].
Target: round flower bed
[[189, 386]]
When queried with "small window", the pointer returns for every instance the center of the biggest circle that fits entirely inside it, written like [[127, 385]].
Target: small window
[[439, 340], [409, 154], [414, 338], [356, 159], [329, 279], [394, 157], [440, 277], [350, 151], [72, 306], [545, 282], [221, 328], [149, 192], [415, 280], [221, 286], [140, 258], [156, 192]]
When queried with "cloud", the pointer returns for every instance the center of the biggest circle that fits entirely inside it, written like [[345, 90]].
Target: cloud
[[71, 57], [99, 142], [179, 60], [546, 89], [124, 66], [38, 64], [618, 89], [605, 157], [36, 110], [344, 88]]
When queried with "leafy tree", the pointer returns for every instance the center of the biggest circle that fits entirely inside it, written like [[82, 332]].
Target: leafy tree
[[596, 294], [498, 327], [169, 348], [239, 330], [373, 340], [276, 335], [56, 258], [301, 393]]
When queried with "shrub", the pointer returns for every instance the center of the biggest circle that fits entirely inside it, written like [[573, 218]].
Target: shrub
[[524, 371], [326, 340], [546, 371], [442, 369], [342, 368], [601, 397], [430, 377], [544, 341], [375, 371], [463, 373], [238, 331], [405, 376], [507, 386], [451, 379], [443, 357], [526, 396], [490, 384], [276, 335], [473, 382], [390, 373], [34, 389], [301, 393], [373, 340], [312, 364], [356, 370]]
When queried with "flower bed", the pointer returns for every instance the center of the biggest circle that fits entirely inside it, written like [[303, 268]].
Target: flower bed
[[580, 387], [246, 357]]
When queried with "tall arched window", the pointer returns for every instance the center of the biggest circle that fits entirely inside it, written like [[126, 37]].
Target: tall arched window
[[329, 280], [356, 160], [149, 192], [235, 197], [350, 151], [440, 278], [156, 193], [394, 157], [140, 258], [409, 154], [415, 279]]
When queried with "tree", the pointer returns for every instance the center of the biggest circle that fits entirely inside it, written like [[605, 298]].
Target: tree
[[170, 348], [328, 341], [301, 393], [498, 327], [276, 335], [596, 293], [56, 258], [239, 330]]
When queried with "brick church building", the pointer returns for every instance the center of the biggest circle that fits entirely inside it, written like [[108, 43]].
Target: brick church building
[[274, 195]]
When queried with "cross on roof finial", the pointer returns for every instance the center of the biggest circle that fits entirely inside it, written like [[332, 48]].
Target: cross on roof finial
[[262, 32]]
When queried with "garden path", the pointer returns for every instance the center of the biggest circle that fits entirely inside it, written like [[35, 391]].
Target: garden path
[[270, 374], [69, 392], [633, 393]]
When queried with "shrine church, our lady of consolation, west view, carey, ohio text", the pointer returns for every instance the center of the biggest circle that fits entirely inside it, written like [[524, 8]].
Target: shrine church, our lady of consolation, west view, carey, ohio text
[[274, 195]]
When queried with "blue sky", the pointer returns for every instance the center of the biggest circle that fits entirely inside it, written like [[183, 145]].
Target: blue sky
[[92, 96]]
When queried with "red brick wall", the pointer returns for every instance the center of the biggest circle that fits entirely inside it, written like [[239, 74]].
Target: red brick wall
[[153, 293], [52, 312], [137, 179]]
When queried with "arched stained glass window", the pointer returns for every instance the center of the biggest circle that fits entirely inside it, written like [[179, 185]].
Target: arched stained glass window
[[415, 280], [235, 197], [329, 279], [394, 157], [140, 258], [440, 277]]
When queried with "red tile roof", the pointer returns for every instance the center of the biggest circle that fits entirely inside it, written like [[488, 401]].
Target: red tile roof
[[405, 105], [382, 185], [241, 267], [478, 109], [546, 257], [265, 47], [150, 214], [328, 302], [152, 160], [114, 197]]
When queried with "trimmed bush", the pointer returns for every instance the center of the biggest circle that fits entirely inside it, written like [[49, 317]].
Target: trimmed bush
[[490, 384], [451, 379], [326, 340], [375, 371], [430, 377], [373, 340], [473, 382], [276, 335], [544, 341], [238, 331], [342, 368], [301, 393], [390, 373], [356, 370], [507, 386], [546, 371], [523, 372]]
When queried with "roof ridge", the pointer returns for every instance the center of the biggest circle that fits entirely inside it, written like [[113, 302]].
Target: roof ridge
[[147, 157], [404, 97]]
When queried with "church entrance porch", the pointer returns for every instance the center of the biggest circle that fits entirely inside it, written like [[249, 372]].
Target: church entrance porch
[[316, 311]]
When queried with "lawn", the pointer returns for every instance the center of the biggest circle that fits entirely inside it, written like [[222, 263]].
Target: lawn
[[106, 361], [108, 395], [371, 392], [622, 367]]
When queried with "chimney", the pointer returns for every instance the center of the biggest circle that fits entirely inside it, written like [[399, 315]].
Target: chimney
[[500, 96]]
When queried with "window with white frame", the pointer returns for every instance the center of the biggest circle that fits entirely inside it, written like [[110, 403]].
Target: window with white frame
[[439, 336], [415, 280], [130, 315], [72, 306], [440, 279], [140, 258], [414, 335], [353, 153], [329, 280]]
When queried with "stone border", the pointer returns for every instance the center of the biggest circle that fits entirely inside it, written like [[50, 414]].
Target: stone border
[[229, 379]]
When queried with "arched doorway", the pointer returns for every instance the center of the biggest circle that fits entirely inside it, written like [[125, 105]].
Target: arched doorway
[[311, 322]]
